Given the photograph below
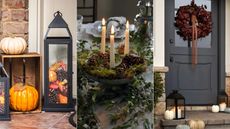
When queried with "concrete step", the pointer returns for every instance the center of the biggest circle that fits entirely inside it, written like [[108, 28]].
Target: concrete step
[[212, 120]]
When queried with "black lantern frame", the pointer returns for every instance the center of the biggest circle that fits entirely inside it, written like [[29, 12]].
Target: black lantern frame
[[58, 22], [176, 103], [4, 95], [223, 98]]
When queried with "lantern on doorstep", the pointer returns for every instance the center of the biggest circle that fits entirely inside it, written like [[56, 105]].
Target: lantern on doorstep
[[58, 67], [4, 94], [222, 100], [149, 8], [175, 102]]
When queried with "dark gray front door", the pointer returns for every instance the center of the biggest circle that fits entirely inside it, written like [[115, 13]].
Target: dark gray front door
[[198, 84]]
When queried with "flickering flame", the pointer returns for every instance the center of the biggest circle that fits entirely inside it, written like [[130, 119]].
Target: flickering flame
[[127, 25], [103, 21], [112, 29]]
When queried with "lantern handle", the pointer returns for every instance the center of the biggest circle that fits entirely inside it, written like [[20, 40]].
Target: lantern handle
[[57, 13]]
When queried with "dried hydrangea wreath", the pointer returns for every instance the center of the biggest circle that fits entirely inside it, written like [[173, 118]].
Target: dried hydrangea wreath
[[183, 21]]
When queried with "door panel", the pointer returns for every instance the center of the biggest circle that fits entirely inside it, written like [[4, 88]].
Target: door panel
[[198, 84], [193, 82]]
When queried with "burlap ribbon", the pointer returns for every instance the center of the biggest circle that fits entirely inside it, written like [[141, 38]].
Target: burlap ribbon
[[194, 40]]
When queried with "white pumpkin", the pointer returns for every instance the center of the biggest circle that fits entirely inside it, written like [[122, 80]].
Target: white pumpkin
[[196, 124], [169, 115], [215, 108], [13, 45], [192, 124], [200, 124]]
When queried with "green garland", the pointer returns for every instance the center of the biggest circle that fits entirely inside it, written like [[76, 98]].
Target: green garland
[[137, 101], [134, 101]]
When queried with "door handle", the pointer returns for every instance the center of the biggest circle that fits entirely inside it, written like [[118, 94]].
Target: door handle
[[171, 41], [171, 59]]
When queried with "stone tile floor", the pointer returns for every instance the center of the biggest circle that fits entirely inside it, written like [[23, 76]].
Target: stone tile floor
[[44, 120]]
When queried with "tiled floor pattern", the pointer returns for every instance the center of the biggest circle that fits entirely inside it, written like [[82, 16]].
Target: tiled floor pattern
[[45, 120]]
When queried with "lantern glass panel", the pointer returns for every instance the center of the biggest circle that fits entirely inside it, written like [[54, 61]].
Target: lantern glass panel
[[2, 98], [222, 99], [181, 108], [170, 104], [58, 74]]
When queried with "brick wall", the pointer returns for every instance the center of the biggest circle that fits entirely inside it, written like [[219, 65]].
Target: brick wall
[[14, 18]]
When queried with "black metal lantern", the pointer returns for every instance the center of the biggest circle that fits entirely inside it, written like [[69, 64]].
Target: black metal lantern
[[223, 97], [4, 94], [58, 68], [176, 103], [149, 8]]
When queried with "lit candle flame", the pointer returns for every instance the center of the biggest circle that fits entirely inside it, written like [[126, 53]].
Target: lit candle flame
[[103, 21], [127, 25], [112, 30]]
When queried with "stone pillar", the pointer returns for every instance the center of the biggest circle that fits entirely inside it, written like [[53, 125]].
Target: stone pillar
[[160, 106], [14, 18]]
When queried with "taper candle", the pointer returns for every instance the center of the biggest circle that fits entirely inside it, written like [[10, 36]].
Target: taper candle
[[112, 48], [103, 36], [126, 50]]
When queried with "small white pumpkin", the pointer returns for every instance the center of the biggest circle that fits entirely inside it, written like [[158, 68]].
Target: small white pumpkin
[[215, 108], [200, 124], [192, 124], [169, 115], [13, 45]]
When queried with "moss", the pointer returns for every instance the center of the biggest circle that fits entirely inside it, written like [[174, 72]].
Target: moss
[[103, 73]]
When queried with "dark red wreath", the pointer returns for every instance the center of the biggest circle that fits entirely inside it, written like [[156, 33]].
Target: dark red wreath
[[184, 21], [193, 22]]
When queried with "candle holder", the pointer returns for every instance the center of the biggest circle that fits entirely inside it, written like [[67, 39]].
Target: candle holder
[[97, 68], [176, 102], [58, 68]]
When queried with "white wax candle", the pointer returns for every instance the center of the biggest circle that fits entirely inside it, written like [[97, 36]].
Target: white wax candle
[[174, 112], [179, 113], [112, 48], [103, 36], [222, 106], [126, 51]]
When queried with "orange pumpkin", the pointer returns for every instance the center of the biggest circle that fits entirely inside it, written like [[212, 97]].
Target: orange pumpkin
[[23, 97], [63, 99]]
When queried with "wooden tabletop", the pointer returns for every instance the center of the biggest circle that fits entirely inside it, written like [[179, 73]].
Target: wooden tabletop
[[31, 54]]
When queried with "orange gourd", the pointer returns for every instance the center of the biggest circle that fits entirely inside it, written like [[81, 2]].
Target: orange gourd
[[23, 97], [52, 76]]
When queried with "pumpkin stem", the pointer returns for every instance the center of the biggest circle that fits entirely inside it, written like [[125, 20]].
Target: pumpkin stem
[[12, 35], [19, 87]]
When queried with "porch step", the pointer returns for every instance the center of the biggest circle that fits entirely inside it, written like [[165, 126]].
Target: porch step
[[212, 120]]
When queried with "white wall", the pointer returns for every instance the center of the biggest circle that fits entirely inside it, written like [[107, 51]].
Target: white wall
[[159, 32], [227, 47], [34, 45]]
